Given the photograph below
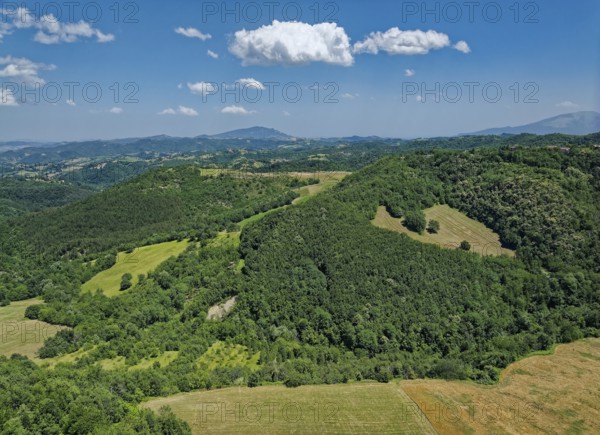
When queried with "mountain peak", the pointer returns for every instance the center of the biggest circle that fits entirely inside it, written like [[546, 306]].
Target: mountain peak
[[576, 123]]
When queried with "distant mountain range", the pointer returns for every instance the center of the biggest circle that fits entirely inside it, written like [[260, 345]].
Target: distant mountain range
[[17, 145], [577, 123], [253, 138], [253, 133]]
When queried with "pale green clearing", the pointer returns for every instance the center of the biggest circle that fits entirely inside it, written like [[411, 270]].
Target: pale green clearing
[[454, 228], [139, 262], [221, 354]]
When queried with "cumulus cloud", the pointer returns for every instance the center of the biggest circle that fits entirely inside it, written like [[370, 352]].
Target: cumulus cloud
[[22, 69], [202, 88], [567, 105], [462, 46], [49, 29], [191, 32], [251, 83], [181, 110], [71, 103], [348, 96], [212, 54], [236, 110], [116, 110], [293, 43], [405, 42], [409, 72], [187, 111], [168, 111]]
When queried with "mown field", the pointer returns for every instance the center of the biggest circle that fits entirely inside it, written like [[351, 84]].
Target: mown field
[[543, 394], [367, 408], [140, 261], [550, 394], [21, 335], [454, 228]]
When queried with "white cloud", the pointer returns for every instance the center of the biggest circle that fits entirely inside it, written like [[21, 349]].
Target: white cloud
[[202, 88], [567, 105], [49, 29], [236, 110], [293, 43], [419, 98], [5, 29], [168, 111], [21, 18], [181, 110], [348, 96], [462, 46], [191, 32], [187, 111], [286, 113], [71, 103], [116, 110], [22, 69], [405, 42], [409, 72], [7, 98], [212, 54], [251, 83], [180, 86]]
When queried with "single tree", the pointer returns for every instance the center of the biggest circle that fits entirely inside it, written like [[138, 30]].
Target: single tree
[[434, 227], [126, 281], [465, 246]]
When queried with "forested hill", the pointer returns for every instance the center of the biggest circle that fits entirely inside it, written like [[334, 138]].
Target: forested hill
[[19, 196], [326, 276], [545, 203], [322, 295], [161, 205]]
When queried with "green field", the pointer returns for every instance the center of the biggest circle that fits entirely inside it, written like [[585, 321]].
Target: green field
[[454, 228], [365, 408], [140, 261], [21, 335]]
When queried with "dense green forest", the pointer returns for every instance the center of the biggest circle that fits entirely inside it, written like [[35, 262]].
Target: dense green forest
[[20, 196], [161, 205], [322, 294]]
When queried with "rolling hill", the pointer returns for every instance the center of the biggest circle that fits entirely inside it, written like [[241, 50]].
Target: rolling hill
[[322, 296]]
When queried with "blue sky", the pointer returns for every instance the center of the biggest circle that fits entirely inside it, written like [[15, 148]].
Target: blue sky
[[388, 68]]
